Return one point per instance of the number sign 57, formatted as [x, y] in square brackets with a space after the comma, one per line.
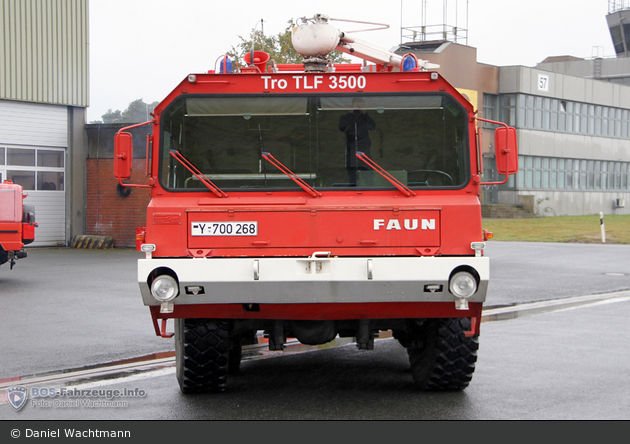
[543, 82]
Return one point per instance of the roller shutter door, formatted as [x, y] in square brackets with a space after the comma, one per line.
[33, 147]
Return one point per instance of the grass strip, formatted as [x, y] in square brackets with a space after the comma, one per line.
[581, 229]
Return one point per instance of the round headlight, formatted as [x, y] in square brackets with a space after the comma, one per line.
[463, 285]
[164, 288]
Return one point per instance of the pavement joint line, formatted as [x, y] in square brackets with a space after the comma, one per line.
[78, 374]
[549, 305]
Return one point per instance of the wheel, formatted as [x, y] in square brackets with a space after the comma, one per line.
[444, 358]
[201, 354]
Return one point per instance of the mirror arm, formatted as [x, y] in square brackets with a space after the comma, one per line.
[505, 151]
[495, 183]
[137, 185]
[131, 185]
[492, 121]
[122, 130]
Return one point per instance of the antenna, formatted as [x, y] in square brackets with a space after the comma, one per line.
[251, 50]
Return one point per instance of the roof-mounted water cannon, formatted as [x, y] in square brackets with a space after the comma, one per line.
[315, 38]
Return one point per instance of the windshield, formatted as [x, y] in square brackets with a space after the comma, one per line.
[418, 139]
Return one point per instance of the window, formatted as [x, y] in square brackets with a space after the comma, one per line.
[538, 112]
[530, 113]
[557, 123]
[591, 119]
[490, 108]
[597, 173]
[33, 168]
[49, 158]
[617, 36]
[20, 157]
[509, 109]
[572, 174]
[598, 120]
[24, 178]
[546, 114]
[607, 128]
[617, 123]
[577, 121]
[569, 117]
[421, 139]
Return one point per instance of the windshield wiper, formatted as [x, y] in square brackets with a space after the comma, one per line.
[294, 177]
[202, 178]
[391, 179]
[262, 151]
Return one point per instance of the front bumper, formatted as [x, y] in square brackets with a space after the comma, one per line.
[311, 280]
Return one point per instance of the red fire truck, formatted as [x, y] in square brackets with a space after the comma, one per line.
[17, 223]
[314, 201]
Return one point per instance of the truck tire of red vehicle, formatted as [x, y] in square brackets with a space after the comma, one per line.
[442, 357]
[201, 354]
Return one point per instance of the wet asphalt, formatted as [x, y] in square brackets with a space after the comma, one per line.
[64, 309]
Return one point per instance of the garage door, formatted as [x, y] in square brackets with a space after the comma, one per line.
[33, 141]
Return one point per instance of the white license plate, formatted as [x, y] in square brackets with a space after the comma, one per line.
[224, 229]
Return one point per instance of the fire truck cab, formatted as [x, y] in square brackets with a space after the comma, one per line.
[314, 201]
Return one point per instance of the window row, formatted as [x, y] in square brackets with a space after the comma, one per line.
[33, 168]
[40, 157]
[572, 174]
[544, 113]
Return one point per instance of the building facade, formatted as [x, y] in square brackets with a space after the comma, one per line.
[574, 141]
[44, 93]
[573, 129]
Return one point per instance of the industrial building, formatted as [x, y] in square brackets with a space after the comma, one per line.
[44, 93]
[572, 117]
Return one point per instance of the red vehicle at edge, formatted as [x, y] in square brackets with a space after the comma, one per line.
[316, 200]
[17, 223]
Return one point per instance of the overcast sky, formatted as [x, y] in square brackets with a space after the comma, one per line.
[141, 49]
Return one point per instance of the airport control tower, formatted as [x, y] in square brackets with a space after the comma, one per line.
[618, 19]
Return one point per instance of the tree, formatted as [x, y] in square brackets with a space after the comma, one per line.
[136, 112]
[279, 47]
[110, 117]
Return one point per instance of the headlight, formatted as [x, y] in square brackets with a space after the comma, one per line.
[463, 285]
[164, 288]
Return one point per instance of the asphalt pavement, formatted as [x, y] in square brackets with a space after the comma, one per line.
[565, 365]
[63, 308]
[537, 271]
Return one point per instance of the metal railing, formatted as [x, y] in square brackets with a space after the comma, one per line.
[434, 33]
[618, 5]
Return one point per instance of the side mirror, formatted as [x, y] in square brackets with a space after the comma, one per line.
[123, 155]
[506, 152]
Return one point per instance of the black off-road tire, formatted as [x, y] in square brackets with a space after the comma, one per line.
[445, 359]
[201, 354]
